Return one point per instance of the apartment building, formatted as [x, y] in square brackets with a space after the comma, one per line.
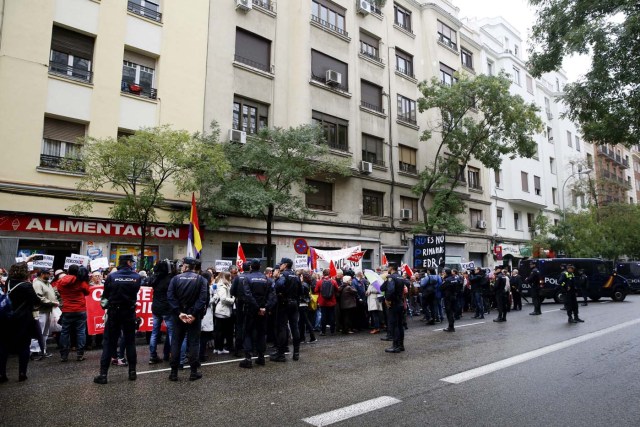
[353, 69]
[72, 68]
[615, 178]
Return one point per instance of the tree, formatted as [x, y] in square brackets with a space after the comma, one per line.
[140, 166]
[267, 177]
[606, 101]
[476, 119]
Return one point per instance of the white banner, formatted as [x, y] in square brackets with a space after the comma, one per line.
[85, 259]
[71, 261]
[338, 254]
[45, 263]
[98, 263]
[222, 265]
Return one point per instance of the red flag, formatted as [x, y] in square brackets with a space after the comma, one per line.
[383, 259]
[356, 256]
[240, 258]
[407, 270]
[332, 270]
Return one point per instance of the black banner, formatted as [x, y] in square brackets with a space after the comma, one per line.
[428, 251]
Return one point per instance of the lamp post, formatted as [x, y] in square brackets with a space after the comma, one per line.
[564, 203]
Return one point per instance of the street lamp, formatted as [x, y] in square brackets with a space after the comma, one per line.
[564, 207]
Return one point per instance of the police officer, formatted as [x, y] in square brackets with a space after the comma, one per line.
[533, 280]
[568, 286]
[120, 296]
[449, 290]
[394, 300]
[582, 283]
[288, 290]
[237, 286]
[259, 297]
[188, 297]
[502, 294]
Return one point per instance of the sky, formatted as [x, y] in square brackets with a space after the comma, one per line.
[522, 16]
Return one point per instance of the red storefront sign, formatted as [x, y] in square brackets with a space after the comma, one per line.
[47, 224]
[95, 313]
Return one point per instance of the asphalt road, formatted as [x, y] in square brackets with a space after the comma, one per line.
[549, 373]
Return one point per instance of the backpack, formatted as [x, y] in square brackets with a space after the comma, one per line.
[326, 289]
[429, 288]
[6, 307]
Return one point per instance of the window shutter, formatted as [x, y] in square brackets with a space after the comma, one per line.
[61, 130]
[253, 47]
[371, 94]
[370, 40]
[72, 43]
[139, 59]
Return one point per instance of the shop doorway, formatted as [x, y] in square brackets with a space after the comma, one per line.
[151, 255]
[58, 248]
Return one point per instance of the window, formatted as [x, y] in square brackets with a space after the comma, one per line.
[589, 161]
[497, 173]
[530, 84]
[407, 110]
[321, 63]
[557, 85]
[549, 135]
[525, 181]
[489, 68]
[408, 159]
[372, 149]
[322, 196]
[253, 50]
[369, 46]
[516, 221]
[552, 165]
[547, 108]
[446, 75]
[372, 203]
[71, 54]
[516, 76]
[145, 8]
[138, 75]
[371, 96]
[569, 139]
[249, 116]
[329, 15]
[60, 143]
[516, 50]
[577, 143]
[411, 204]
[447, 35]
[531, 222]
[335, 130]
[499, 221]
[474, 178]
[404, 63]
[467, 58]
[536, 185]
[402, 17]
[476, 218]
[554, 195]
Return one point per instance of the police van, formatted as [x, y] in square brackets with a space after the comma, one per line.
[631, 272]
[603, 280]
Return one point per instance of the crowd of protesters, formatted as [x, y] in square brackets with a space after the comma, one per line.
[51, 304]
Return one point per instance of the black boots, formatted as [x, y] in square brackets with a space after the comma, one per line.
[246, 363]
[195, 375]
[173, 376]
[100, 379]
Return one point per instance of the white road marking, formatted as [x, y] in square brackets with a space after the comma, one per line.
[502, 364]
[462, 326]
[222, 362]
[351, 411]
[549, 311]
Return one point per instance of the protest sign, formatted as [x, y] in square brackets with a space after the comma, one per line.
[98, 263]
[68, 261]
[300, 262]
[46, 263]
[95, 313]
[222, 265]
[428, 251]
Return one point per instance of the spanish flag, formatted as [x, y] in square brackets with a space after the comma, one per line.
[194, 244]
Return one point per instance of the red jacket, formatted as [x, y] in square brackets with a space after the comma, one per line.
[73, 294]
[324, 302]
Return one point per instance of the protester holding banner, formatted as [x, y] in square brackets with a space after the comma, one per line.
[74, 312]
[374, 306]
[48, 301]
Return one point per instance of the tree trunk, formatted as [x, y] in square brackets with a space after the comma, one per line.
[269, 225]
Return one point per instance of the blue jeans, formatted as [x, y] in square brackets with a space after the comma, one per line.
[318, 318]
[77, 320]
[477, 295]
[155, 332]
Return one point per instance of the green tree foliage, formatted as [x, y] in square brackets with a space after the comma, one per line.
[477, 118]
[140, 167]
[267, 178]
[606, 101]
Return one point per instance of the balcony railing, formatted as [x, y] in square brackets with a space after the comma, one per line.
[138, 90]
[373, 107]
[474, 186]
[371, 56]
[406, 167]
[408, 118]
[406, 72]
[64, 70]
[329, 26]
[372, 158]
[144, 11]
[613, 156]
[336, 145]
[323, 80]
[254, 64]
[265, 4]
[447, 42]
[60, 163]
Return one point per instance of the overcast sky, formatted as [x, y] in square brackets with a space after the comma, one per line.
[519, 14]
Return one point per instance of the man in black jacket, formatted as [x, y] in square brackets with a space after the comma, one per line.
[533, 280]
[394, 299]
[502, 294]
[161, 310]
[516, 290]
[288, 290]
[477, 284]
[449, 290]
[120, 296]
[188, 297]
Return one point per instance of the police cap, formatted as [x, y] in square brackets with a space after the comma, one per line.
[287, 261]
[126, 258]
[189, 261]
[447, 271]
[246, 266]
[255, 264]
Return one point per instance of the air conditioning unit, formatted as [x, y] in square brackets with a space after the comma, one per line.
[406, 214]
[244, 5]
[333, 78]
[364, 7]
[366, 167]
[237, 136]
[481, 224]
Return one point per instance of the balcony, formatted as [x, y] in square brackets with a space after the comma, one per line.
[134, 89]
[474, 186]
[447, 42]
[323, 80]
[373, 107]
[253, 64]
[407, 72]
[265, 4]
[146, 12]
[336, 145]
[69, 72]
[408, 168]
[329, 26]
[610, 154]
[60, 163]
[408, 118]
[371, 56]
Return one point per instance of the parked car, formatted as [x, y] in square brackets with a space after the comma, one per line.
[631, 271]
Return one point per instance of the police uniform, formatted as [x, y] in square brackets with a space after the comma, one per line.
[568, 286]
[188, 294]
[449, 290]
[121, 294]
[533, 280]
[394, 297]
[288, 290]
[258, 299]
[502, 296]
